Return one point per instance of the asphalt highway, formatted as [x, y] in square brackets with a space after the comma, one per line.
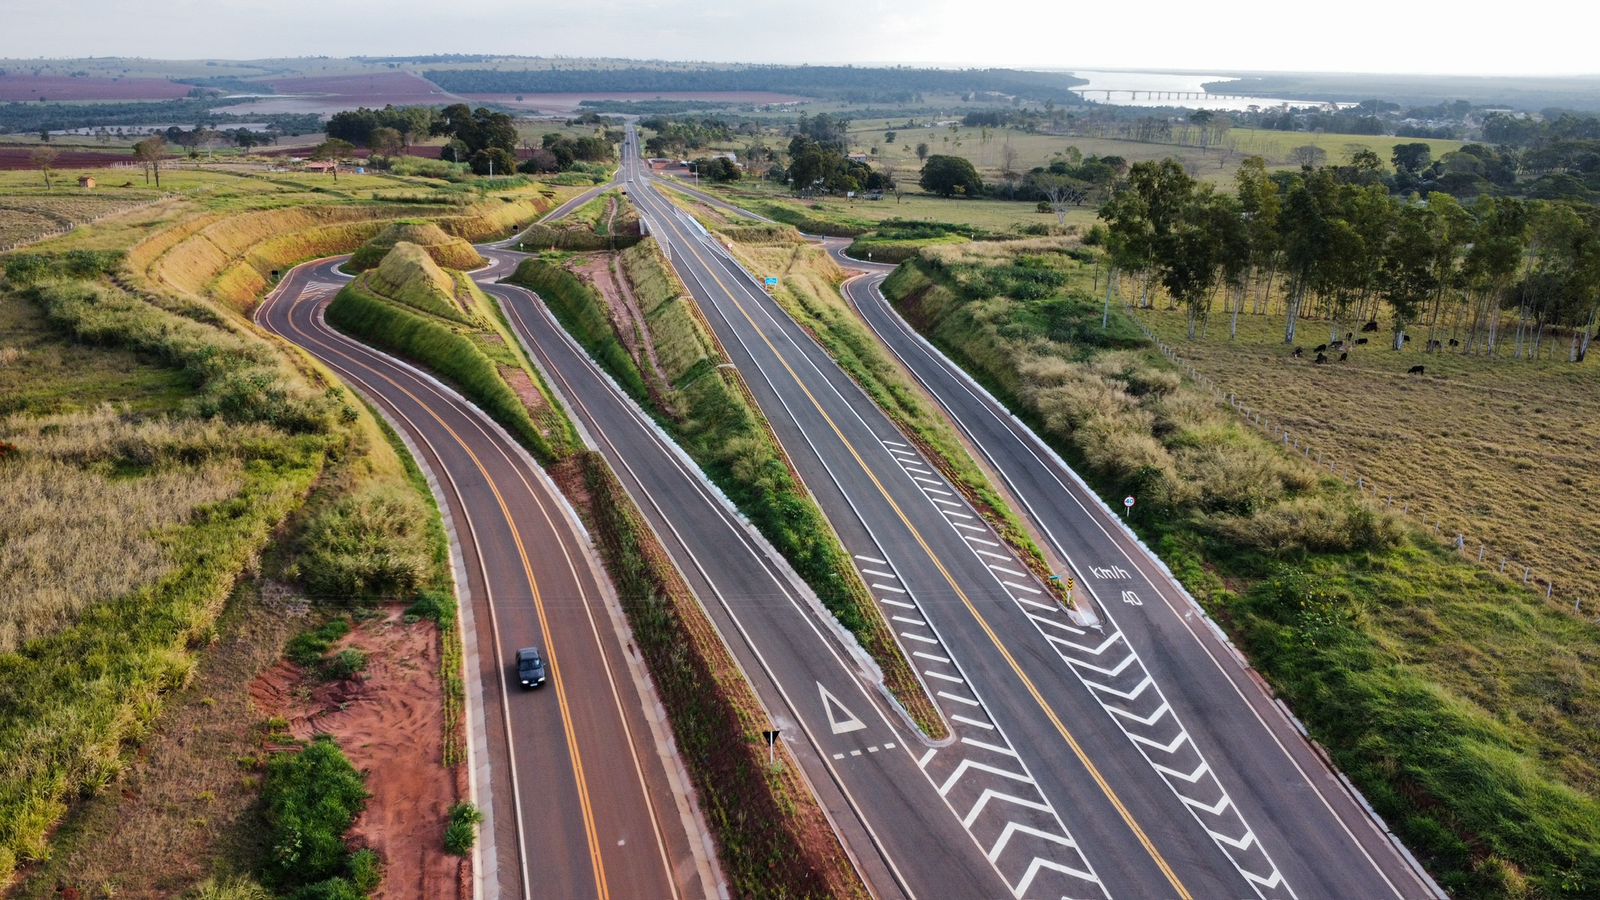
[1164, 771]
[579, 798]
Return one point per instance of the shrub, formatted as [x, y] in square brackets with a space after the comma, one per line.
[434, 604]
[344, 665]
[312, 797]
[366, 870]
[461, 830]
[368, 545]
[229, 889]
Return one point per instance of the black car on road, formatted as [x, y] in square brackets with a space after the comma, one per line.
[530, 667]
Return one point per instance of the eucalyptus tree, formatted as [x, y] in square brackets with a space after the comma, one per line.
[1408, 277]
[1491, 265]
[1260, 203]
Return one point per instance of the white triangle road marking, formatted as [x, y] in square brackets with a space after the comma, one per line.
[844, 725]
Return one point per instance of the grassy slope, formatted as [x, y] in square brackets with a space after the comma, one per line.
[1464, 707]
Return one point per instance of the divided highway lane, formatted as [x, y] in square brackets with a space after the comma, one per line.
[579, 797]
[1332, 848]
[953, 583]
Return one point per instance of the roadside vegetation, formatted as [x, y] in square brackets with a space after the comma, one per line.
[649, 335]
[608, 222]
[1463, 705]
[161, 446]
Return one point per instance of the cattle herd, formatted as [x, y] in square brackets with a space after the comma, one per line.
[1342, 347]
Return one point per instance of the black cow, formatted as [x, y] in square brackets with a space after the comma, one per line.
[1360, 341]
[1343, 357]
[1370, 326]
[1336, 345]
[1322, 358]
[1415, 370]
[1319, 348]
[1454, 342]
[1298, 353]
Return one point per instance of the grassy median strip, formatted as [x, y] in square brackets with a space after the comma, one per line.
[1464, 706]
[706, 408]
[808, 290]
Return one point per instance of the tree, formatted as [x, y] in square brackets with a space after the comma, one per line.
[386, 142]
[493, 161]
[1309, 155]
[150, 152]
[922, 151]
[947, 175]
[44, 133]
[1411, 159]
[888, 137]
[44, 159]
[1061, 192]
[1408, 277]
[333, 150]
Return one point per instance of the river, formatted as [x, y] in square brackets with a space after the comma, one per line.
[1121, 83]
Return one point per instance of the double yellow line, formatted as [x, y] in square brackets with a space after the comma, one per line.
[1033, 690]
[590, 831]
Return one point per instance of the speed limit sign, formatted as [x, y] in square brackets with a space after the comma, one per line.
[1127, 504]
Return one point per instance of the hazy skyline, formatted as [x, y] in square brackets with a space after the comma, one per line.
[1362, 36]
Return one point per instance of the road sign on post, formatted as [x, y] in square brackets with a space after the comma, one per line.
[771, 283]
[771, 737]
[1127, 504]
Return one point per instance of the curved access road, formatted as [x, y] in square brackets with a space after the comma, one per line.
[579, 800]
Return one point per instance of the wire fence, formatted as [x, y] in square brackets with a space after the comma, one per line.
[1482, 551]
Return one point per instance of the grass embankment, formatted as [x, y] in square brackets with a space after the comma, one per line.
[1466, 709]
[707, 409]
[466, 350]
[450, 252]
[786, 847]
[808, 290]
[608, 222]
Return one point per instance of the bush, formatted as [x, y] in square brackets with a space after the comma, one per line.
[366, 870]
[461, 830]
[312, 798]
[434, 604]
[31, 268]
[368, 545]
[344, 665]
[582, 313]
[229, 889]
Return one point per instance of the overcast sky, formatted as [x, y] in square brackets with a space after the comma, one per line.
[1533, 37]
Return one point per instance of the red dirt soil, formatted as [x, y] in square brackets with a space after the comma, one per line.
[375, 89]
[61, 87]
[18, 157]
[389, 720]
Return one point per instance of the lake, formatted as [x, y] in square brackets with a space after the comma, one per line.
[1121, 83]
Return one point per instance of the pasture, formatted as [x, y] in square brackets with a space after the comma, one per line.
[1499, 450]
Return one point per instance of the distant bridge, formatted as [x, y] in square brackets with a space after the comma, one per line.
[1110, 93]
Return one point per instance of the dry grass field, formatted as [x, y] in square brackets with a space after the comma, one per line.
[1499, 450]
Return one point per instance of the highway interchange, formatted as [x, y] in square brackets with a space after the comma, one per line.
[1123, 753]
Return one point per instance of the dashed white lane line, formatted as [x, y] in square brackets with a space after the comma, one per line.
[1008, 571]
[872, 559]
[925, 480]
[940, 491]
[973, 722]
[1021, 587]
[972, 540]
[933, 656]
[876, 574]
[943, 677]
[894, 443]
[1034, 603]
[885, 587]
[992, 555]
[978, 528]
[959, 515]
[919, 638]
[900, 603]
[946, 502]
[957, 698]
[910, 621]
[1056, 624]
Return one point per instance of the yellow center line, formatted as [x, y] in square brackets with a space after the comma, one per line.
[1083, 757]
[550, 642]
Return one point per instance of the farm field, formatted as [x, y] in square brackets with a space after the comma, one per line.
[15, 87]
[988, 215]
[1217, 164]
[1499, 450]
[28, 217]
[331, 93]
[565, 104]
